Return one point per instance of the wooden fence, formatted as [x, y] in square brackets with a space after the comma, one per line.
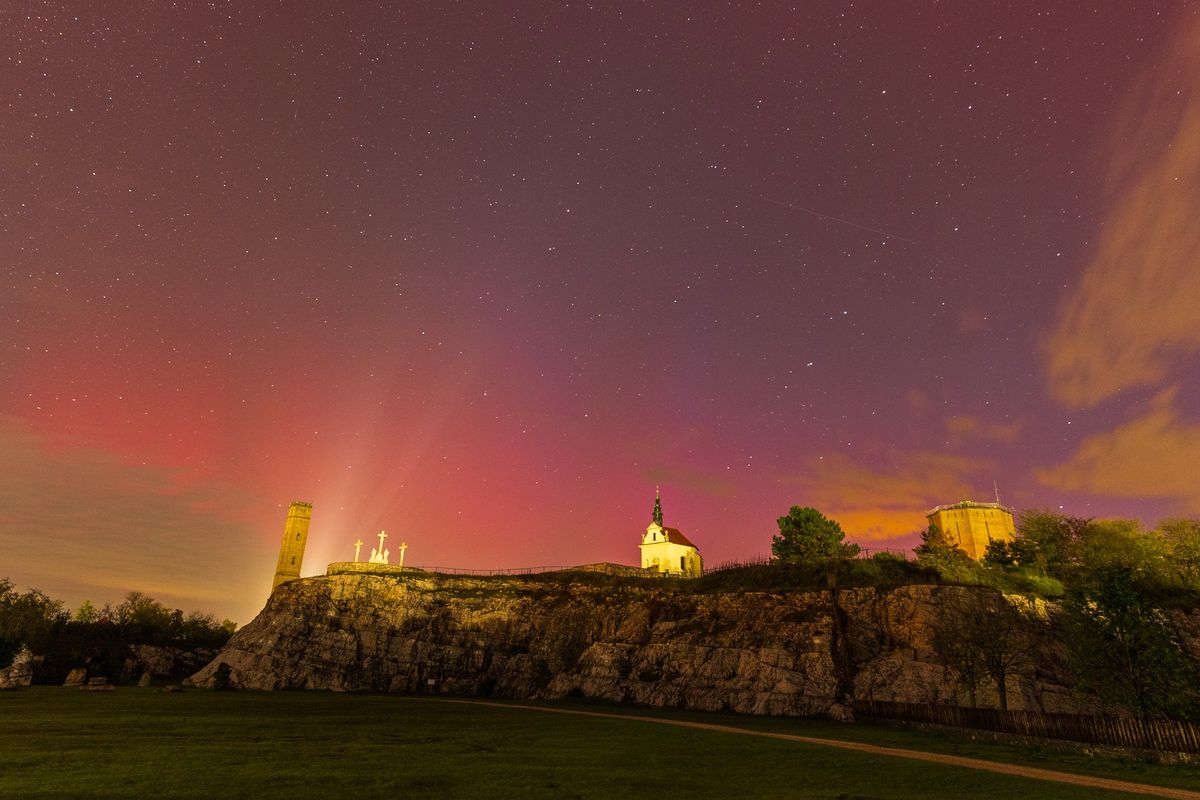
[604, 568]
[613, 569]
[762, 561]
[1164, 735]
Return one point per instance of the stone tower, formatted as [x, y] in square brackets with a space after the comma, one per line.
[973, 526]
[295, 536]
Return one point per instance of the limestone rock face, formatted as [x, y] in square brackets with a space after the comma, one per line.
[162, 661]
[748, 652]
[20, 672]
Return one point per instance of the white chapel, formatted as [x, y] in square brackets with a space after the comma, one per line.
[667, 549]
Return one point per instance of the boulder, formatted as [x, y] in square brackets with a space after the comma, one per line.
[20, 672]
[162, 661]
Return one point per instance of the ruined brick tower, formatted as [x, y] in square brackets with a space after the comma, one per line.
[295, 536]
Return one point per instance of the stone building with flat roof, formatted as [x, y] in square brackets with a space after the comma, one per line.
[972, 525]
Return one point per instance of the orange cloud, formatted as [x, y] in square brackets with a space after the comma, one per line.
[873, 504]
[977, 428]
[1134, 311]
[83, 525]
[1155, 455]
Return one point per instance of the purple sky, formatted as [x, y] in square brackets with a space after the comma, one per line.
[484, 277]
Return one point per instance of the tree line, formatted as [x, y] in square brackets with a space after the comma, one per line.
[35, 620]
[1111, 592]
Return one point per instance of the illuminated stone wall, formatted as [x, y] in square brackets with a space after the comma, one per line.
[972, 525]
[367, 568]
[291, 550]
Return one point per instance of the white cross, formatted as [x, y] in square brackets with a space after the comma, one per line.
[357, 548]
[382, 536]
[403, 547]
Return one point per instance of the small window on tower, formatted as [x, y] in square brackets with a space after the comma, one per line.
[293, 559]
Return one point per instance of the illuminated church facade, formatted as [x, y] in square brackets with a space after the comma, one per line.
[667, 549]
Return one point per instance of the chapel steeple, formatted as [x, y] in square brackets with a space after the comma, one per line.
[666, 550]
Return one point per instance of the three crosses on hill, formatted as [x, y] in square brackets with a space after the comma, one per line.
[379, 556]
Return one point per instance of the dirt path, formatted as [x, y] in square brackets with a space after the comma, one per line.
[916, 755]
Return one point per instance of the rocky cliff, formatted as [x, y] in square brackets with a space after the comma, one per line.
[656, 643]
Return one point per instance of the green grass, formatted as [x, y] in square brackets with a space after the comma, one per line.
[140, 743]
[1060, 756]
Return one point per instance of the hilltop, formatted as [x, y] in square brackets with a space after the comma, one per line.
[664, 643]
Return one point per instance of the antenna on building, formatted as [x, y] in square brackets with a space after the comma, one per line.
[997, 488]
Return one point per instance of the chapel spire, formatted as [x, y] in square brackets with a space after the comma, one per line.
[657, 513]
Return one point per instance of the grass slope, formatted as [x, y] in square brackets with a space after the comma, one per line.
[61, 743]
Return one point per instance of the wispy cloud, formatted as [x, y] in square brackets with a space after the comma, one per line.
[82, 524]
[1134, 312]
[1155, 455]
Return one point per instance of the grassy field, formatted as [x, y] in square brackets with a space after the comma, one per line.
[61, 743]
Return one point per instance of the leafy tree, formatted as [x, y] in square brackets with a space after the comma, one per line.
[1122, 543]
[1007, 644]
[980, 636]
[26, 618]
[86, 614]
[33, 619]
[807, 536]
[937, 550]
[1181, 538]
[1124, 648]
[1048, 541]
[999, 554]
[954, 639]
[144, 612]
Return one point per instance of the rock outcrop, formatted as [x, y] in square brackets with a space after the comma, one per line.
[162, 661]
[655, 644]
[20, 672]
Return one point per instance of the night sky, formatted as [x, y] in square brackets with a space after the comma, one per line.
[483, 275]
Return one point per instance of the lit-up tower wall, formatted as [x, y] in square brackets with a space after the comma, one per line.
[972, 526]
[295, 536]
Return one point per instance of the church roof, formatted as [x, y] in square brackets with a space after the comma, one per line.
[675, 536]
